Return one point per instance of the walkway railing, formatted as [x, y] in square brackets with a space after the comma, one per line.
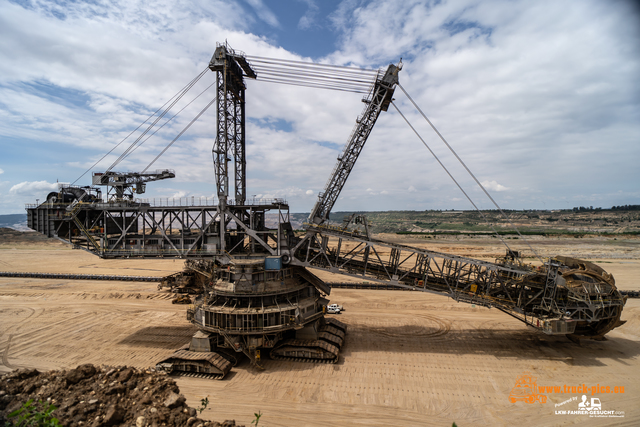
[169, 202]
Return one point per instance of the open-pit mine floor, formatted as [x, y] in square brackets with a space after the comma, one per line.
[410, 358]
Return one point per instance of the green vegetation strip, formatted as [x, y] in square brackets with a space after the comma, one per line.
[524, 233]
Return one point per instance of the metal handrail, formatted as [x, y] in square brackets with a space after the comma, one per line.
[194, 201]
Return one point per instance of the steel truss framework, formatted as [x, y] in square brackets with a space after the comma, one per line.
[116, 230]
[377, 101]
[136, 230]
[230, 68]
[519, 290]
[235, 228]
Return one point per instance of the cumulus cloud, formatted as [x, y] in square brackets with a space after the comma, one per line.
[498, 104]
[1, 171]
[309, 192]
[34, 187]
[493, 186]
[264, 13]
[86, 74]
[179, 194]
[308, 19]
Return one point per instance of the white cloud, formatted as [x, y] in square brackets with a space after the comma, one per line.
[308, 19]
[33, 188]
[516, 87]
[499, 104]
[493, 186]
[264, 13]
[179, 194]
[1, 171]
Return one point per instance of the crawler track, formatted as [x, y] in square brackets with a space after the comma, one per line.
[196, 364]
[326, 349]
[312, 351]
[197, 375]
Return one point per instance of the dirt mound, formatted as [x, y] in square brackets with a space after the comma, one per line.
[11, 236]
[11, 233]
[102, 396]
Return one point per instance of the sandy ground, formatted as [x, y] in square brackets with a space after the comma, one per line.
[409, 358]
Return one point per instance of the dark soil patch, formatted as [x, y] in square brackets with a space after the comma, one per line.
[102, 396]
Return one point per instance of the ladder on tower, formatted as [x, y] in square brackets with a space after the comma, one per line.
[548, 297]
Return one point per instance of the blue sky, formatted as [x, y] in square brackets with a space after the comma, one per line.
[541, 99]
[301, 27]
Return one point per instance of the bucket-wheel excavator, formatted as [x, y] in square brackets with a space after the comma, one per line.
[257, 292]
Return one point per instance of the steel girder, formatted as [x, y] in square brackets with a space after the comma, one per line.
[230, 137]
[377, 101]
[134, 230]
[521, 291]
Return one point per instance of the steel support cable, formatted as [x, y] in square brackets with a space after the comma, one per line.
[299, 73]
[314, 66]
[133, 131]
[173, 117]
[448, 173]
[316, 76]
[181, 133]
[253, 59]
[173, 103]
[315, 81]
[472, 175]
[302, 84]
[314, 72]
[319, 81]
[132, 147]
[306, 66]
[308, 74]
[334, 86]
[334, 83]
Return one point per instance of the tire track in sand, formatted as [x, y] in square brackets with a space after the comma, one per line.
[5, 354]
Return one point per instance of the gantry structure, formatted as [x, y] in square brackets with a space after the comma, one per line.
[252, 245]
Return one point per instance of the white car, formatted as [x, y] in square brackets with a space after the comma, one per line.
[334, 309]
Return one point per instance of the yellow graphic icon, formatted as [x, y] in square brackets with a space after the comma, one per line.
[526, 390]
